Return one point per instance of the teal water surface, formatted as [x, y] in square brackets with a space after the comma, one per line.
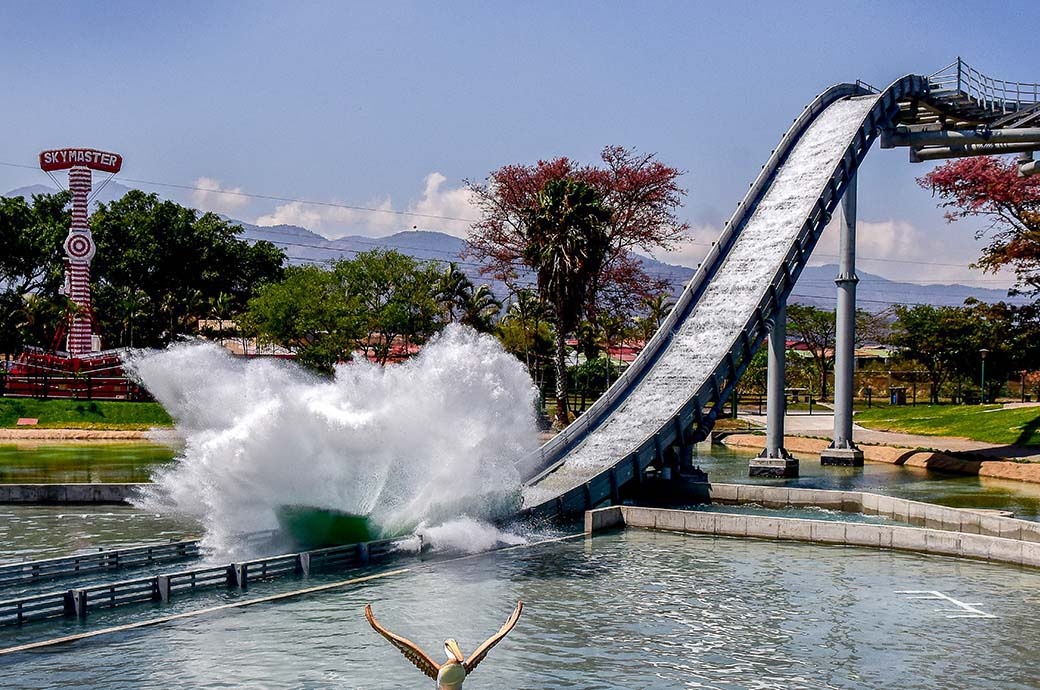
[633, 609]
[724, 464]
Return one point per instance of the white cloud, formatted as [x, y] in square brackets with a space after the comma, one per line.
[335, 221]
[693, 251]
[439, 209]
[893, 249]
[454, 202]
[209, 195]
[899, 250]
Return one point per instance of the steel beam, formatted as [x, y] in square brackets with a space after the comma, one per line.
[842, 450]
[967, 150]
[958, 137]
[775, 461]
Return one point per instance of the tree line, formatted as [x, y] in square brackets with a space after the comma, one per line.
[941, 346]
[560, 235]
[159, 268]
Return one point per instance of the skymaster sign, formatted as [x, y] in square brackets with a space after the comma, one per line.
[62, 159]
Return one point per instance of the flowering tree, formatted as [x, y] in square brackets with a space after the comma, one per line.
[641, 193]
[990, 188]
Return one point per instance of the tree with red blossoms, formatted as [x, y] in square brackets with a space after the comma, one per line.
[642, 194]
[990, 188]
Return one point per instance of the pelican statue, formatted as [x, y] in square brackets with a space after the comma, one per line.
[451, 674]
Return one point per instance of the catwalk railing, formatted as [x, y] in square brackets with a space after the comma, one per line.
[995, 94]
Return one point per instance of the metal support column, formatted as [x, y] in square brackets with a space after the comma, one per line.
[842, 450]
[775, 461]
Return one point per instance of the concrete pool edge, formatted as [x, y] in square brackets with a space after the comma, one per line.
[114, 493]
[926, 540]
[916, 513]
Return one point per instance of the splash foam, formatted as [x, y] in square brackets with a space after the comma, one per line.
[394, 443]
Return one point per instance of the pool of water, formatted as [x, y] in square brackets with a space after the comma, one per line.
[32, 532]
[61, 463]
[46, 531]
[724, 464]
[633, 609]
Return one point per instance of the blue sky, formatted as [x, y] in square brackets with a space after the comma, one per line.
[393, 105]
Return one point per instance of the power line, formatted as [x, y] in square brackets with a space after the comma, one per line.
[411, 214]
[271, 197]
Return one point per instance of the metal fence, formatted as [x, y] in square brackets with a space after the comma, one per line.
[30, 572]
[78, 602]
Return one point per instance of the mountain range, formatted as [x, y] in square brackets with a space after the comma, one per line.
[815, 287]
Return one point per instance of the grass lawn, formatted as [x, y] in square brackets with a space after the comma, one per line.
[83, 414]
[989, 423]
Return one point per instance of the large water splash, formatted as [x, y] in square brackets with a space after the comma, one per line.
[396, 443]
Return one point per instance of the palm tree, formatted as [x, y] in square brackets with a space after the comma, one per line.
[131, 305]
[221, 307]
[520, 328]
[566, 243]
[480, 309]
[453, 292]
[657, 308]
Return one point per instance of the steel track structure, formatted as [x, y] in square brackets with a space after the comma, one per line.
[588, 463]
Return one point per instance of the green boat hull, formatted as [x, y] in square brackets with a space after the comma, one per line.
[316, 528]
[311, 527]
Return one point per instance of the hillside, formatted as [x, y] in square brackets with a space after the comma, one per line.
[815, 286]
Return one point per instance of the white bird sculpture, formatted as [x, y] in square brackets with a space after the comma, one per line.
[452, 673]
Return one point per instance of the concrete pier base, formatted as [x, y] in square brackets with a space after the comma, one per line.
[779, 468]
[842, 457]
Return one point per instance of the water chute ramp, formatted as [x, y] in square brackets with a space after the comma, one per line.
[672, 393]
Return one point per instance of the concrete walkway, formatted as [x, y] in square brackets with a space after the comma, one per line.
[821, 425]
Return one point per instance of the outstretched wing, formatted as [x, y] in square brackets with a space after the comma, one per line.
[482, 651]
[415, 655]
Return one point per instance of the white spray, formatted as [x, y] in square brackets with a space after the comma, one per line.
[390, 442]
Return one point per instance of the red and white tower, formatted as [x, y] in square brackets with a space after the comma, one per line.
[79, 250]
[79, 245]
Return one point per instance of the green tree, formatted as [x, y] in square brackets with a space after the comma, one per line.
[396, 296]
[481, 309]
[461, 302]
[309, 312]
[453, 292]
[590, 378]
[943, 340]
[814, 327]
[31, 268]
[565, 244]
[221, 308]
[524, 331]
[174, 259]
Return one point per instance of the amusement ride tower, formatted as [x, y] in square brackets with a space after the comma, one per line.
[79, 245]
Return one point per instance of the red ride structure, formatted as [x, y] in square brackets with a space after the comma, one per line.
[83, 370]
[79, 245]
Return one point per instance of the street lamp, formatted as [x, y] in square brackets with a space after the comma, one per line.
[983, 352]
